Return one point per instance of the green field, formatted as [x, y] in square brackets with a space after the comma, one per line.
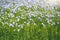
[33, 23]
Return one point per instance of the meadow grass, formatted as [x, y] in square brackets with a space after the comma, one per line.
[29, 24]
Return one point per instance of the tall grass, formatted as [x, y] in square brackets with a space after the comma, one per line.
[29, 24]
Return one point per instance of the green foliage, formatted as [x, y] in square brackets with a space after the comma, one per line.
[38, 25]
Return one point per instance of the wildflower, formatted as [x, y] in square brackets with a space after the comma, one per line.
[10, 15]
[58, 13]
[43, 24]
[12, 25]
[18, 30]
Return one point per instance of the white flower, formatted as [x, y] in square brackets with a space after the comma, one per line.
[11, 15]
[58, 13]
[11, 25]
[18, 20]
[18, 30]
[43, 24]
[57, 22]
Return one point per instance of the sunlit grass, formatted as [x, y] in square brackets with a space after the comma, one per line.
[30, 23]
